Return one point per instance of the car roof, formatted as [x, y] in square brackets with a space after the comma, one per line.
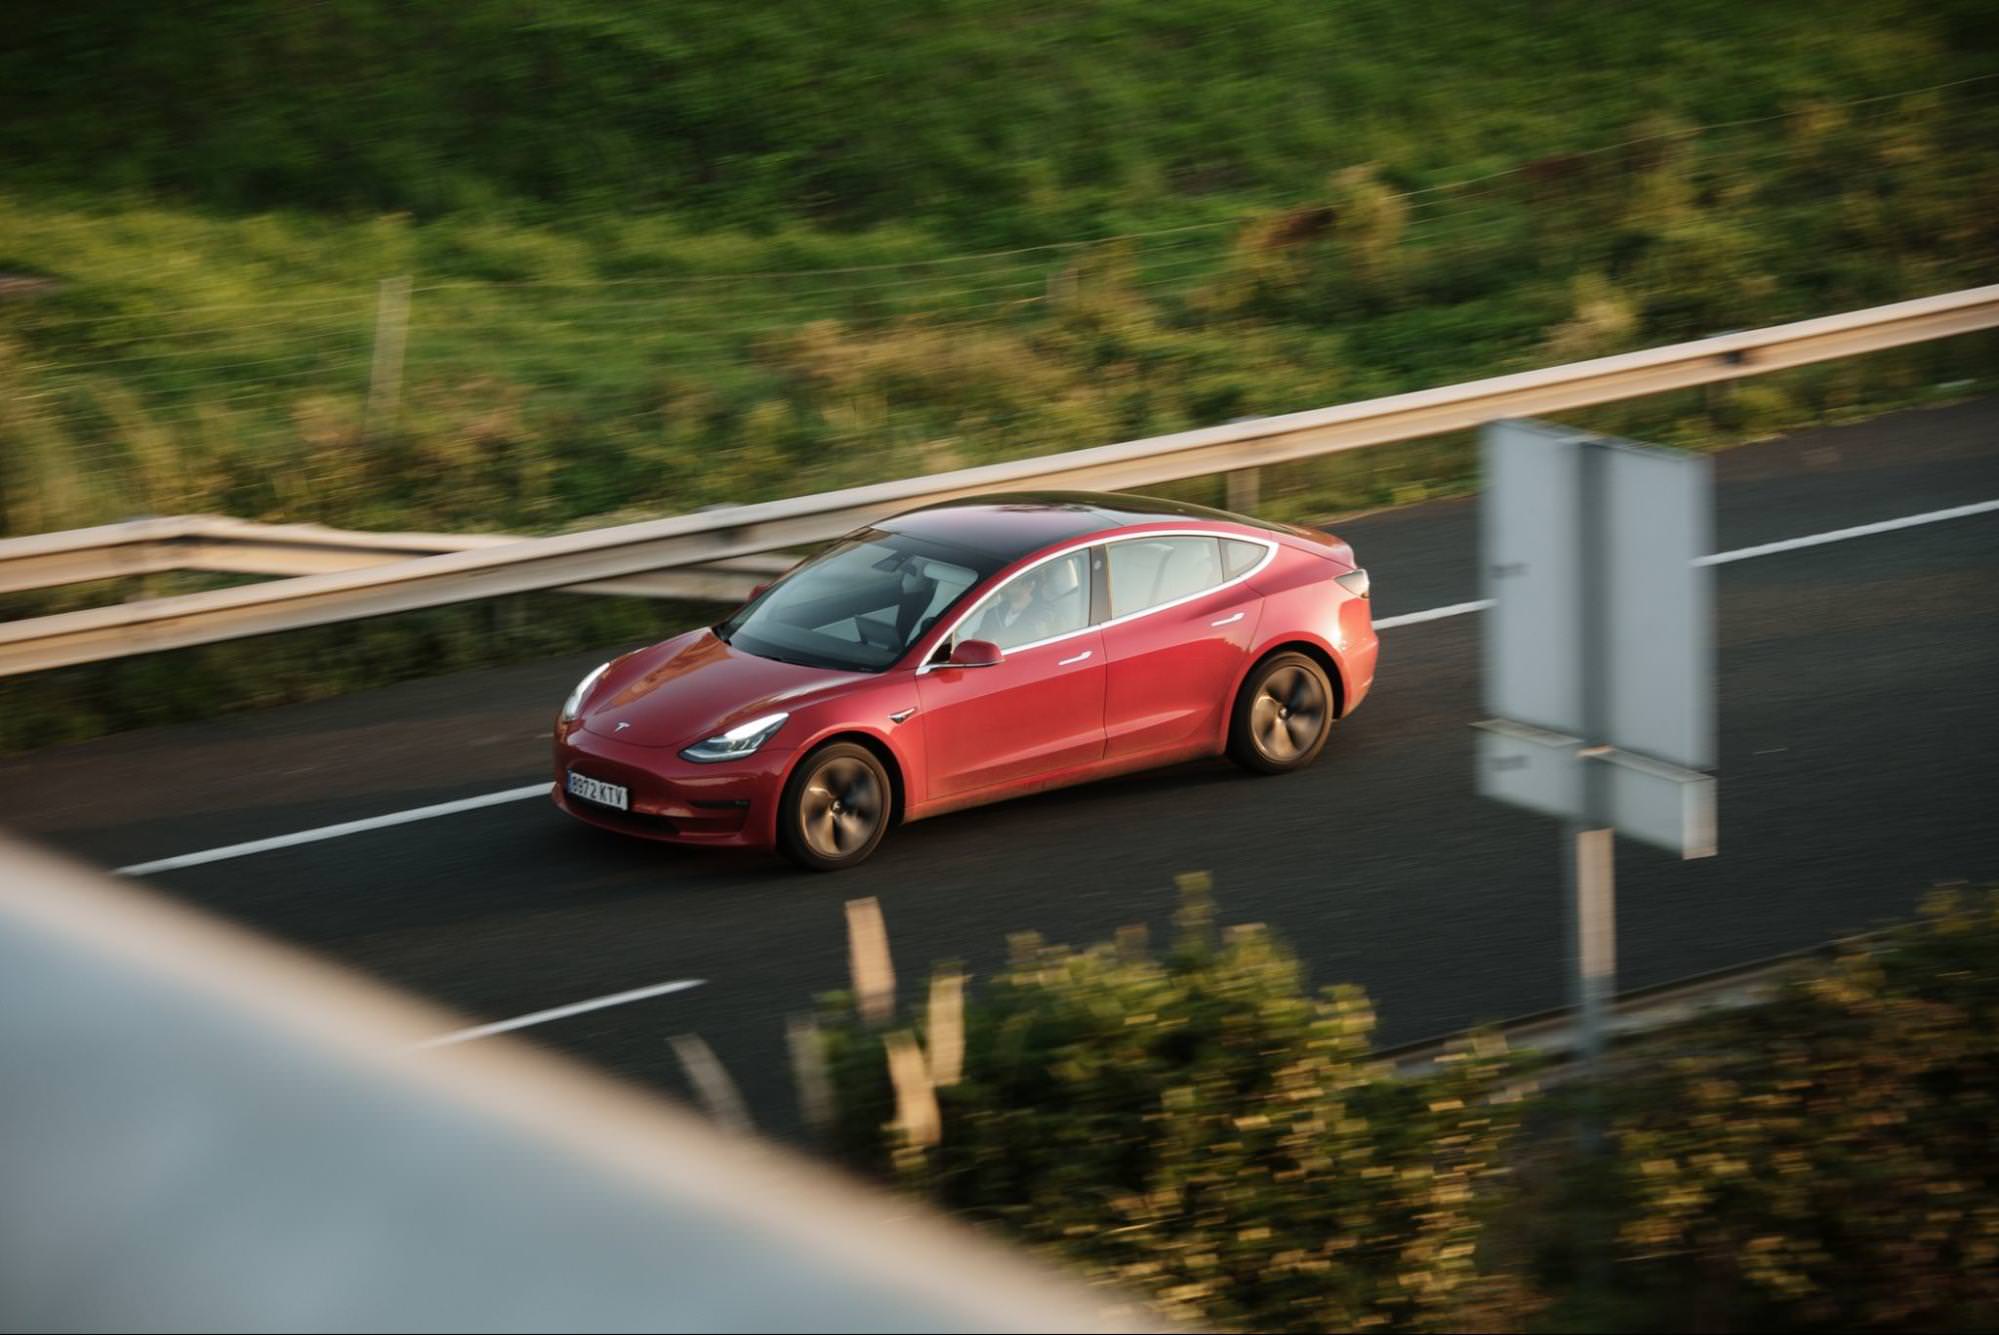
[1009, 525]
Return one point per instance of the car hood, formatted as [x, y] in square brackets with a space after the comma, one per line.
[694, 686]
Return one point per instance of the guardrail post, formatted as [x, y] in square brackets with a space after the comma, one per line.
[868, 961]
[505, 617]
[1245, 486]
[947, 1028]
[1718, 396]
[717, 1092]
[916, 1113]
[385, 381]
[808, 1069]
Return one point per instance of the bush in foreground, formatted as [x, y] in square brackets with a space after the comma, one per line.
[1200, 1128]
[1829, 1160]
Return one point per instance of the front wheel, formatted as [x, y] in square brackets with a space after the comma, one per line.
[1283, 715]
[835, 808]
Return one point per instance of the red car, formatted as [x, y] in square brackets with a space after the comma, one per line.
[967, 652]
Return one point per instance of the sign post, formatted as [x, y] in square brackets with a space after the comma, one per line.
[1598, 664]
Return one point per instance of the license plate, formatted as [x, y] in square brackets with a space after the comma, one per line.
[596, 790]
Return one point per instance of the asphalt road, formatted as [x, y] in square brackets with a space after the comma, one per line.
[1859, 697]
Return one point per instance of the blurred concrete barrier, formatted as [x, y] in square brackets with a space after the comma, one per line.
[202, 1130]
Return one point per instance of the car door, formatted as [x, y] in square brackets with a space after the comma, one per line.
[1181, 621]
[1039, 709]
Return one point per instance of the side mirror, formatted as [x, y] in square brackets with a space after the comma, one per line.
[974, 654]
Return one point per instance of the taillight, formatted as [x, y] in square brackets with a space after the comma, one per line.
[1354, 582]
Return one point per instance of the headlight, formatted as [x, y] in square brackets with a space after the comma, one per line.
[575, 700]
[740, 740]
[1354, 582]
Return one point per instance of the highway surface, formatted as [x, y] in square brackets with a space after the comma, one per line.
[1859, 695]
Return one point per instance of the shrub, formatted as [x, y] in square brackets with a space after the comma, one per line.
[1828, 1160]
[1202, 1129]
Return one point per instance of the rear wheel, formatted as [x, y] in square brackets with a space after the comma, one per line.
[1283, 715]
[835, 808]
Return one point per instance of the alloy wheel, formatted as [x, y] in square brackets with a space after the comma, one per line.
[841, 807]
[1288, 714]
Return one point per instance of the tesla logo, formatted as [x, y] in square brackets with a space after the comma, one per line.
[900, 715]
[621, 727]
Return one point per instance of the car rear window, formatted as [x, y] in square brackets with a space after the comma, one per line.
[1146, 572]
[1240, 557]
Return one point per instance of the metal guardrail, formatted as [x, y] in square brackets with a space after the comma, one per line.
[215, 544]
[1553, 1034]
[747, 530]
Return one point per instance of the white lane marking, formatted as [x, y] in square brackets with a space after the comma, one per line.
[1739, 554]
[1842, 534]
[558, 1013]
[1386, 623]
[334, 831]
[1434, 614]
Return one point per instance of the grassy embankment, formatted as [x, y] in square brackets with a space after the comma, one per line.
[734, 253]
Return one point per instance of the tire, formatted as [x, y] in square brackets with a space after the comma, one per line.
[835, 808]
[1283, 715]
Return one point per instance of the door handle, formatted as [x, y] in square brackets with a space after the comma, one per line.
[1227, 621]
[1077, 659]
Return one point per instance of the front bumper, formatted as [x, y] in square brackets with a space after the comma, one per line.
[731, 805]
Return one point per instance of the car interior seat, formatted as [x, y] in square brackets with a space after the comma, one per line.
[1063, 593]
[1190, 566]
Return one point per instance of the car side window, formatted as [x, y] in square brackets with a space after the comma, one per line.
[1051, 599]
[1239, 557]
[1146, 572]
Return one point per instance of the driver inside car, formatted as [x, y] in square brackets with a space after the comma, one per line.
[1033, 607]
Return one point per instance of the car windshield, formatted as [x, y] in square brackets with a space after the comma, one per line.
[858, 606]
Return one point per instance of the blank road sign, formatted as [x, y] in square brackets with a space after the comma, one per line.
[1659, 804]
[1599, 646]
[1601, 625]
[1530, 767]
[1530, 548]
[1658, 609]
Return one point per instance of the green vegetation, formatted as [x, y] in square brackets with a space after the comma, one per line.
[670, 256]
[1204, 1132]
[990, 124]
[1827, 1161]
[1202, 1129]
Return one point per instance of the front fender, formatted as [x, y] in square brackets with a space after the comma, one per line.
[901, 742]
